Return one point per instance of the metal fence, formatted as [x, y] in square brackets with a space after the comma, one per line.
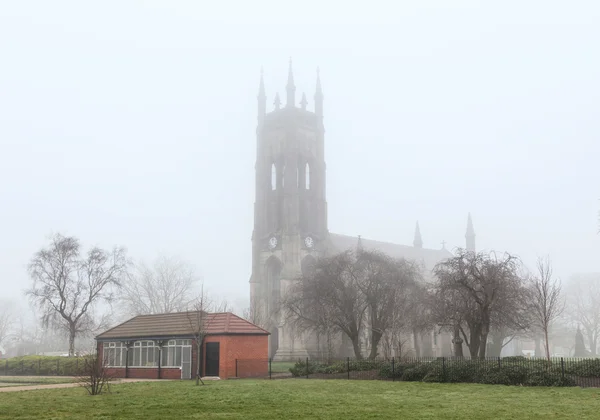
[506, 371]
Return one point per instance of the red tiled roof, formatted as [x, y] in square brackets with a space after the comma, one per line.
[179, 324]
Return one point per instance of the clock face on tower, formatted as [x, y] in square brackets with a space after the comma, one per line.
[309, 242]
[272, 242]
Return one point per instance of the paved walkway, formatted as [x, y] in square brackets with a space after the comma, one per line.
[69, 385]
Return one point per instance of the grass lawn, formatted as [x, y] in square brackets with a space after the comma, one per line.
[281, 367]
[300, 398]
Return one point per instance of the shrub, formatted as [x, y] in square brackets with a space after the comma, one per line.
[416, 373]
[584, 367]
[507, 371]
[496, 377]
[300, 369]
[545, 378]
[42, 365]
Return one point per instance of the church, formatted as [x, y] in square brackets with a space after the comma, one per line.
[290, 220]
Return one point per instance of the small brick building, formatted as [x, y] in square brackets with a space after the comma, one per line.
[163, 346]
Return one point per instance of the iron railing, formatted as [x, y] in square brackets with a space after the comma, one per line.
[584, 372]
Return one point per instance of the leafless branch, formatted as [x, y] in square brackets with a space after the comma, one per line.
[67, 286]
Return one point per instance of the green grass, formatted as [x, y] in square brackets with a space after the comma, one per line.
[299, 399]
[281, 367]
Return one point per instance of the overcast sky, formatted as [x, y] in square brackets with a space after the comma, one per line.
[133, 123]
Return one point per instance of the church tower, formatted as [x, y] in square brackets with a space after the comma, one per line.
[290, 209]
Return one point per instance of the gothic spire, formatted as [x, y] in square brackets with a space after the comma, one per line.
[418, 241]
[277, 101]
[291, 88]
[303, 102]
[470, 235]
[262, 98]
[319, 96]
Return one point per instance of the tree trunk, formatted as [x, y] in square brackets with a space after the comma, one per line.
[538, 347]
[356, 346]
[375, 339]
[496, 345]
[72, 333]
[458, 342]
[547, 345]
[483, 342]
[416, 340]
[198, 361]
[474, 341]
[592, 342]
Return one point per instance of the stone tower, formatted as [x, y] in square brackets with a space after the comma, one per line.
[290, 209]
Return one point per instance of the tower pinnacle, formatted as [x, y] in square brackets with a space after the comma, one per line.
[277, 101]
[291, 88]
[470, 235]
[418, 241]
[262, 98]
[319, 96]
[303, 102]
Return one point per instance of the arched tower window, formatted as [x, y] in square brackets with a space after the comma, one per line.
[273, 177]
[307, 176]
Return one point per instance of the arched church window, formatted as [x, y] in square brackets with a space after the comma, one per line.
[273, 177]
[307, 176]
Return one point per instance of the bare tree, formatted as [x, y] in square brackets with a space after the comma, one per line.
[255, 314]
[477, 290]
[329, 297]
[199, 319]
[94, 376]
[7, 319]
[169, 285]
[386, 284]
[222, 306]
[546, 300]
[583, 307]
[67, 286]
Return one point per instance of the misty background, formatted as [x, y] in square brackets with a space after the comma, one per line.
[133, 123]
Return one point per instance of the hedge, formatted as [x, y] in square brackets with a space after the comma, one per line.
[42, 366]
[506, 371]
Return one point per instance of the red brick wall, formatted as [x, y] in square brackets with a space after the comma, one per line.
[251, 350]
[146, 373]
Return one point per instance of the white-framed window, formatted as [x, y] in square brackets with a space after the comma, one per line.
[145, 354]
[172, 350]
[115, 354]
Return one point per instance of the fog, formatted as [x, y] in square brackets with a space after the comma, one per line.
[134, 123]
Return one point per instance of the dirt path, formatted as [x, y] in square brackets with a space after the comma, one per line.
[69, 385]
